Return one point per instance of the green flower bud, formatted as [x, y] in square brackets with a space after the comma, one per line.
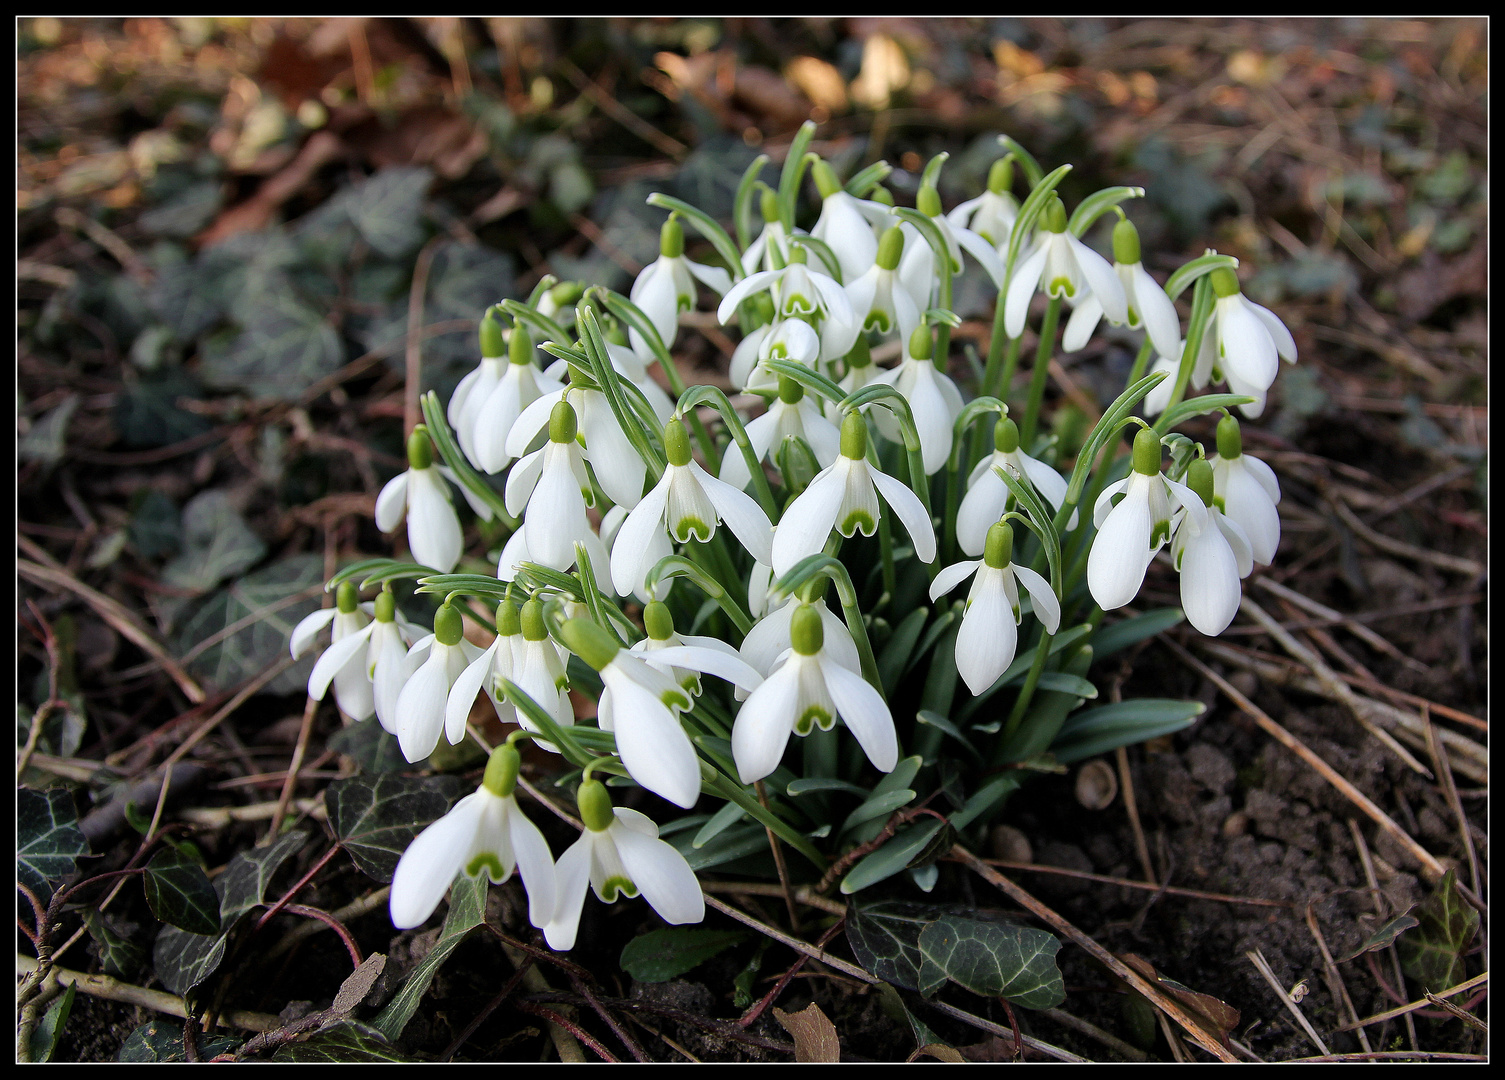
[671, 239]
[530, 621]
[1055, 215]
[882, 196]
[921, 344]
[420, 450]
[567, 292]
[386, 606]
[806, 633]
[891, 249]
[1199, 479]
[347, 597]
[501, 770]
[1006, 435]
[520, 346]
[928, 201]
[676, 443]
[1230, 439]
[1125, 243]
[825, 179]
[657, 621]
[1147, 452]
[1224, 282]
[509, 620]
[768, 205]
[595, 806]
[589, 642]
[1001, 175]
[861, 354]
[854, 436]
[493, 344]
[614, 332]
[562, 422]
[790, 391]
[999, 551]
[448, 626]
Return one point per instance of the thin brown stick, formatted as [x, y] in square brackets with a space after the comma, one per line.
[334, 924]
[1170, 1039]
[760, 1006]
[491, 1007]
[411, 413]
[1335, 984]
[1352, 625]
[112, 989]
[778, 862]
[310, 707]
[1004, 1033]
[794, 943]
[1445, 771]
[1462, 1014]
[353, 910]
[251, 688]
[1380, 907]
[1092, 1031]
[802, 895]
[1261, 965]
[1395, 1055]
[617, 1029]
[1126, 784]
[1102, 955]
[1467, 567]
[665, 144]
[1327, 772]
[1169, 890]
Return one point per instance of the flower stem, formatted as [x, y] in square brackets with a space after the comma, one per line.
[1027, 691]
[1037, 377]
[1201, 311]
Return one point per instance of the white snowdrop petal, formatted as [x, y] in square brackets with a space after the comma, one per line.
[809, 519]
[1210, 589]
[420, 709]
[662, 876]
[764, 724]
[392, 501]
[712, 277]
[865, 714]
[1238, 541]
[340, 653]
[1264, 475]
[1247, 350]
[308, 629]
[535, 865]
[1285, 344]
[1158, 313]
[1084, 319]
[1101, 279]
[462, 694]
[1247, 502]
[636, 821]
[1120, 553]
[631, 545]
[654, 748]
[655, 292]
[753, 283]
[1104, 505]
[1196, 509]
[732, 668]
[433, 527]
[981, 507]
[388, 677]
[1047, 606]
[952, 576]
[618, 466]
[932, 418]
[514, 553]
[556, 512]
[572, 878]
[430, 863]
[1021, 290]
[984, 252]
[532, 422]
[910, 511]
[352, 689]
[986, 639]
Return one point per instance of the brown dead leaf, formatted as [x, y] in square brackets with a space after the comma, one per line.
[813, 1033]
[1217, 1018]
[941, 1052]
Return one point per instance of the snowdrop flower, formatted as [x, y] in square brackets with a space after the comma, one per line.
[803, 292]
[987, 638]
[494, 416]
[770, 249]
[1211, 553]
[659, 547]
[631, 368]
[434, 535]
[767, 642]
[422, 703]
[551, 483]
[845, 223]
[934, 400]
[476, 387]
[1160, 394]
[878, 301]
[917, 269]
[790, 415]
[522, 654]
[808, 689]
[538, 671]
[659, 624]
[1245, 489]
[641, 704]
[667, 286]
[1148, 305]
[387, 657]
[1062, 266]
[844, 496]
[619, 468]
[688, 502]
[620, 854]
[485, 831]
[992, 214]
[987, 495]
[344, 662]
[782, 339]
[1248, 342]
[1129, 533]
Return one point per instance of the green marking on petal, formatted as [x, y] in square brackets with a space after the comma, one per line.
[1061, 287]
[614, 885]
[1133, 317]
[686, 527]
[675, 700]
[1160, 533]
[877, 320]
[858, 519]
[1217, 500]
[488, 862]
[812, 717]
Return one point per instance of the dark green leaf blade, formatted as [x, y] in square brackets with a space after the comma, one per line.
[161, 1040]
[376, 817]
[47, 839]
[994, 959]
[1096, 731]
[661, 955]
[1433, 953]
[1384, 936]
[892, 857]
[885, 939]
[183, 960]
[49, 1029]
[244, 883]
[467, 910]
[180, 893]
[343, 1041]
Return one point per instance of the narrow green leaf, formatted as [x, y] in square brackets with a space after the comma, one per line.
[661, 955]
[985, 799]
[900, 648]
[1108, 727]
[1198, 406]
[467, 910]
[1176, 284]
[1120, 635]
[721, 820]
[891, 857]
[1096, 205]
[1384, 937]
[935, 719]
[45, 1036]
[742, 203]
[878, 808]
[805, 785]
[707, 226]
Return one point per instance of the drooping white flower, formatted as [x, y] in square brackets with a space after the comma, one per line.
[473, 390]
[1211, 553]
[987, 495]
[485, 831]
[845, 224]
[844, 496]
[659, 546]
[801, 291]
[770, 248]
[1245, 489]
[934, 400]
[619, 469]
[1160, 394]
[1129, 533]
[492, 418]
[434, 535]
[987, 638]
[667, 286]
[810, 688]
[790, 415]
[1148, 305]
[992, 214]
[770, 638]
[421, 704]
[343, 662]
[917, 268]
[1062, 266]
[553, 486]
[1247, 342]
[879, 302]
[659, 624]
[524, 655]
[620, 854]
[687, 502]
[782, 339]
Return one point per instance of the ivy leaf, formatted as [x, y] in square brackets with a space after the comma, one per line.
[183, 960]
[217, 544]
[161, 1040]
[661, 955]
[374, 749]
[467, 910]
[386, 209]
[49, 1029]
[286, 348]
[993, 959]
[341, 1042]
[179, 892]
[376, 817]
[885, 939]
[119, 956]
[47, 839]
[1433, 955]
[244, 883]
[1384, 936]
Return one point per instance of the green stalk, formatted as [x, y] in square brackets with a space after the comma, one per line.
[730, 790]
[1201, 312]
[1027, 691]
[1141, 361]
[722, 404]
[1043, 353]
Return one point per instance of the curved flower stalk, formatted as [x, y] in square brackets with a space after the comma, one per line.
[1148, 307]
[344, 661]
[1129, 533]
[687, 502]
[879, 302]
[618, 466]
[917, 268]
[934, 400]
[790, 415]
[641, 704]
[485, 831]
[770, 249]
[619, 854]
[988, 636]
[553, 486]
[987, 495]
[783, 339]
[421, 704]
[844, 496]
[434, 535]
[634, 370]
[992, 214]
[667, 286]
[1211, 553]
[1062, 266]
[488, 420]
[1247, 342]
[801, 292]
[1245, 489]
[846, 223]
[810, 688]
